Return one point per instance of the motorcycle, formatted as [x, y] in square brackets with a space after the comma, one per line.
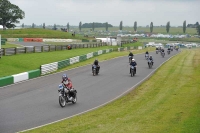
[130, 58]
[66, 95]
[168, 51]
[133, 70]
[150, 63]
[163, 54]
[95, 70]
[146, 56]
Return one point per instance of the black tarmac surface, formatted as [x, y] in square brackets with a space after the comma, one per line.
[35, 102]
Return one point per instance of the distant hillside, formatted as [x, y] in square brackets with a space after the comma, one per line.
[96, 25]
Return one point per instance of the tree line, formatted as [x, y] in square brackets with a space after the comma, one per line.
[10, 15]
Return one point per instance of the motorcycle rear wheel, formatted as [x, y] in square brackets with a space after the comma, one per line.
[74, 99]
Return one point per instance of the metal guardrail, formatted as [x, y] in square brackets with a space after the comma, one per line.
[48, 48]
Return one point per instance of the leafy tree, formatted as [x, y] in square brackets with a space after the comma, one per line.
[68, 26]
[33, 25]
[197, 24]
[54, 27]
[80, 25]
[97, 25]
[93, 26]
[168, 27]
[135, 26]
[120, 25]
[151, 27]
[184, 26]
[106, 26]
[43, 26]
[10, 14]
[198, 29]
[23, 25]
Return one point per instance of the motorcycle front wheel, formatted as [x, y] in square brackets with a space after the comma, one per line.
[62, 101]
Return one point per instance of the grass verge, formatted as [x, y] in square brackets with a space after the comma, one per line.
[168, 102]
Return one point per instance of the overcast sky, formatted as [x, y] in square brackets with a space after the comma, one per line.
[61, 12]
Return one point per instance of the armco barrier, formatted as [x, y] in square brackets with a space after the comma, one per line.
[20, 77]
[13, 39]
[63, 63]
[33, 40]
[59, 40]
[48, 68]
[34, 73]
[100, 52]
[89, 55]
[21, 39]
[82, 58]
[95, 53]
[6, 80]
[74, 60]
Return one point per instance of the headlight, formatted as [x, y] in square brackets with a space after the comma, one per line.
[60, 86]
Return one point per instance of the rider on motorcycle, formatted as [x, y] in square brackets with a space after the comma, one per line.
[147, 54]
[156, 48]
[151, 59]
[96, 63]
[130, 55]
[67, 81]
[133, 63]
[162, 50]
[169, 49]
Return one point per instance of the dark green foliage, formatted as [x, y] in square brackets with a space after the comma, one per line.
[198, 29]
[135, 26]
[54, 27]
[97, 25]
[68, 26]
[33, 25]
[43, 26]
[93, 26]
[168, 27]
[151, 27]
[120, 26]
[184, 26]
[106, 26]
[10, 14]
[80, 26]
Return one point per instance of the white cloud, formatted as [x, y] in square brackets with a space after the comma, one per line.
[112, 11]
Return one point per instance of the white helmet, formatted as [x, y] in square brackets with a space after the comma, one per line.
[133, 59]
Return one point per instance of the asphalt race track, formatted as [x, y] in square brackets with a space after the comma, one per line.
[35, 102]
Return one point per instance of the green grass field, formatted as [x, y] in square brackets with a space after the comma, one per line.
[25, 62]
[37, 33]
[168, 102]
